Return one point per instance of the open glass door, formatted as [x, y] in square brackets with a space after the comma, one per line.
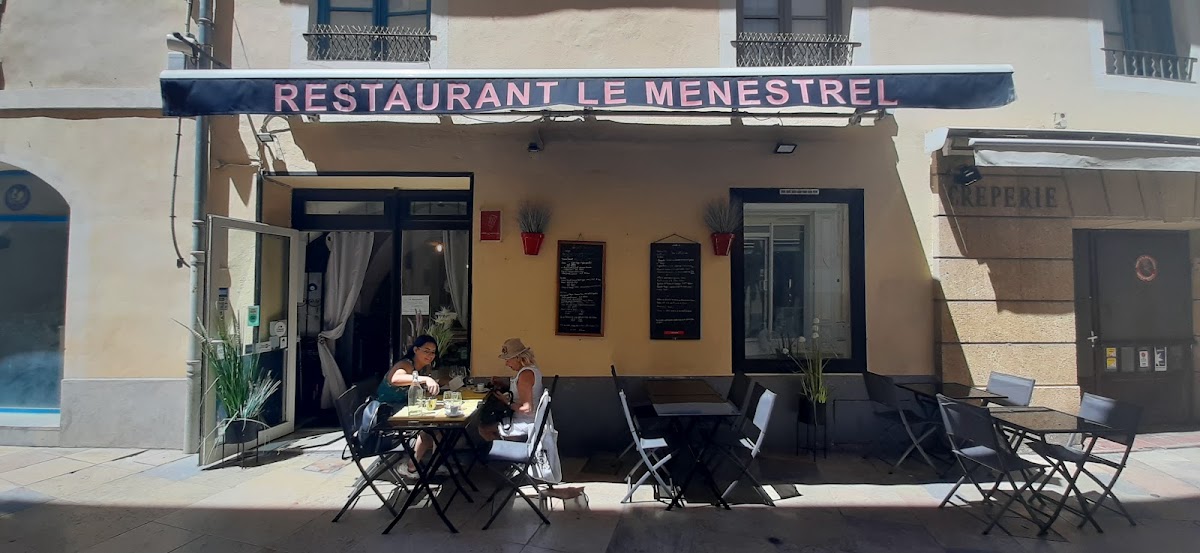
[253, 286]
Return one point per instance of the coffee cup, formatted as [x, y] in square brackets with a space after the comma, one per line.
[480, 387]
[454, 410]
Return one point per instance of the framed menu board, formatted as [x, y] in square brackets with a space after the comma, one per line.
[580, 289]
[674, 291]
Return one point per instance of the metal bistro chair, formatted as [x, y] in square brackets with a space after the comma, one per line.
[647, 449]
[386, 452]
[752, 440]
[976, 443]
[518, 457]
[883, 391]
[1018, 391]
[643, 411]
[1123, 418]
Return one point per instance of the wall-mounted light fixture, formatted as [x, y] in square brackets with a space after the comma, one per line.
[967, 175]
[536, 144]
[784, 148]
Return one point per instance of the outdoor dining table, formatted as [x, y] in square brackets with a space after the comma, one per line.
[687, 403]
[446, 430]
[1040, 422]
[952, 390]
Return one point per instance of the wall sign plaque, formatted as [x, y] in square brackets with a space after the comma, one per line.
[580, 310]
[674, 291]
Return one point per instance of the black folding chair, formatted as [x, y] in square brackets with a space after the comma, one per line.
[882, 390]
[1017, 390]
[1123, 418]
[386, 456]
[517, 457]
[977, 443]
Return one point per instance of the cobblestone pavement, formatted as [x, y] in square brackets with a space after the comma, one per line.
[156, 501]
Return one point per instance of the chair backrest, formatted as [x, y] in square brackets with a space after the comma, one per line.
[738, 390]
[1017, 389]
[761, 419]
[1118, 415]
[539, 422]
[969, 423]
[881, 390]
[553, 385]
[633, 428]
[346, 405]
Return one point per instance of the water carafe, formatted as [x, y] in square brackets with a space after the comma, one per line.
[416, 398]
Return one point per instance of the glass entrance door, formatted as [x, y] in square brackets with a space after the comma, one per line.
[251, 307]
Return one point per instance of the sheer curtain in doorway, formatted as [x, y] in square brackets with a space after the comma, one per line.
[349, 255]
[457, 256]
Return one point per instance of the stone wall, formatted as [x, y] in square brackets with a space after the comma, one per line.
[1003, 264]
[1003, 272]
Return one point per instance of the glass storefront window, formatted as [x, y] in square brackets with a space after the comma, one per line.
[796, 278]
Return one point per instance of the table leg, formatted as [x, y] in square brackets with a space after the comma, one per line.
[424, 472]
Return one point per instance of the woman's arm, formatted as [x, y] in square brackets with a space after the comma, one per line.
[525, 392]
[402, 376]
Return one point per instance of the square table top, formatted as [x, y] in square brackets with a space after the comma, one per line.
[951, 390]
[439, 416]
[1047, 421]
[704, 404]
[678, 387]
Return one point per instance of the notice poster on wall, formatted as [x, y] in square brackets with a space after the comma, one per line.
[674, 291]
[580, 289]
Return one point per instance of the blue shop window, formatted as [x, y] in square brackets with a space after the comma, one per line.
[411, 14]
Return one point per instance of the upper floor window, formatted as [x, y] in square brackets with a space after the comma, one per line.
[791, 33]
[1139, 41]
[371, 30]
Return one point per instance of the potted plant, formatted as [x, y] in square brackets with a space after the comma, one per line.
[442, 331]
[814, 390]
[533, 218]
[723, 220]
[241, 386]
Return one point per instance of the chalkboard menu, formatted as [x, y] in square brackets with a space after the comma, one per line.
[580, 288]
[674, 291]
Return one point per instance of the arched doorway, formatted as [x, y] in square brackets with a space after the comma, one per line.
[34, 220]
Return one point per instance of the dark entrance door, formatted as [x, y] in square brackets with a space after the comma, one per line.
[1134, 319]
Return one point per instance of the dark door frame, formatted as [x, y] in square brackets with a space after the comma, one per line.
[396, 219]
[1090, 342]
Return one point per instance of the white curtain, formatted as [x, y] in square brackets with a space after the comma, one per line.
[349, 254]
[457, 254]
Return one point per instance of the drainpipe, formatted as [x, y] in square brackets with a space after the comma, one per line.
[195, 396]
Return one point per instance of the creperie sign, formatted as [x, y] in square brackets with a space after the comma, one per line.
[191, 92]
[470, 96]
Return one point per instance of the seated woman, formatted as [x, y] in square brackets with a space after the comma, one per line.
[526, 388]
[405, 373]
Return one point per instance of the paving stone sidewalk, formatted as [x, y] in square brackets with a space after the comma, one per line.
[58, 500]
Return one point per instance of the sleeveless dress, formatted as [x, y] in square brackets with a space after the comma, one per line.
[521, 426]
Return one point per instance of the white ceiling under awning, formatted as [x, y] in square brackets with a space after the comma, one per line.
[1054, 149]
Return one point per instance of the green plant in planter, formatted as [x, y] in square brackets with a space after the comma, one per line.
[533, 217]
[240, 385]
[812, 381]
[442, 331]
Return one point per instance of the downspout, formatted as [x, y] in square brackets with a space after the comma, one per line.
[192, 416]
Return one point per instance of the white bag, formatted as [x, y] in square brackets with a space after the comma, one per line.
[547, 466]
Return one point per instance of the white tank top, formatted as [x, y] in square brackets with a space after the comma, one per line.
[537, 393]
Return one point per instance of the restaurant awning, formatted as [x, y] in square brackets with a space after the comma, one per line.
[1062, 149]
[774, 90]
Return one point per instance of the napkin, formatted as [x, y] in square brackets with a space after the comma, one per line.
[455, 384]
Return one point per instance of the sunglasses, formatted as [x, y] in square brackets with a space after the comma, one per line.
[427, 351]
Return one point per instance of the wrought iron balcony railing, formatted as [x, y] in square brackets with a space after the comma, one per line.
[364, 43]
[1148, 64]
[791, 50]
